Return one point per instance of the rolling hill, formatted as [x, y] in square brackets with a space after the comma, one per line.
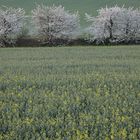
[83, 6]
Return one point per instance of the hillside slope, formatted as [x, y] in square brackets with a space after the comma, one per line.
[83, 6]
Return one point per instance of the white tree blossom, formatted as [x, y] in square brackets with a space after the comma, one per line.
[12, 22]
[54, 22]
[131, 25]
[116, 24]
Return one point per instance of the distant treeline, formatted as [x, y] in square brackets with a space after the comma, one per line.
[54, 26]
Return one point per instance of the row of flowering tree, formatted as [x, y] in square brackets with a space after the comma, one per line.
[111, 25]
[115, 25]
[50, 23]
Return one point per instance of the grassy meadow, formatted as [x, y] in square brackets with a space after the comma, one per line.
[70, 93]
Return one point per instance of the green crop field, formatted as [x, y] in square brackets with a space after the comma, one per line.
[83, 6]
[70, 93]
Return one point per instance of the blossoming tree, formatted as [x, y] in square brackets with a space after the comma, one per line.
[54, 22]
[12, 22]
[115, 24]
